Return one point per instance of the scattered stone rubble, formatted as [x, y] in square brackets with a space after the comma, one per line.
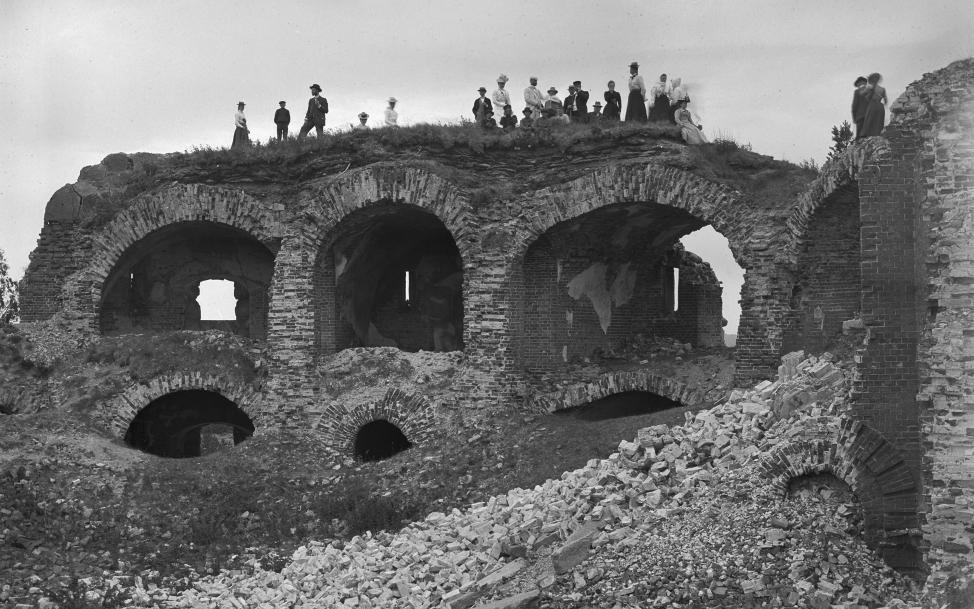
[679, 517]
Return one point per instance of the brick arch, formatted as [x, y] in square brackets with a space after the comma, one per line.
[713, 203]
[612, 383]
[291, 319]
[413, 414]
[837, 174]
[862, 458]
[119, 412]
[151, 212]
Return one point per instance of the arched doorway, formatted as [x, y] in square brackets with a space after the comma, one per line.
[154, 286]
[379, 440]
[620, 405]
[174, 425]
[391, 275]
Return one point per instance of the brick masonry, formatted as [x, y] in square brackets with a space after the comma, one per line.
[906, 271]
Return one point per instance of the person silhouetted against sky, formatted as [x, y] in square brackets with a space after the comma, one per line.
[613, 103]
[481, 106]
[859, 104]
[534, 98]
[241, 135]
[636, 105]
[875, 95]
[581, 102]
[315, 117]
[659, 101]
[282, 118]
[392, 117]
[363, 118]
[500, 97]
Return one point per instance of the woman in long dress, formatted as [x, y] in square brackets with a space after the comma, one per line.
[875, 96]
[691, 133]
[613, 103]
[241, 135]
[677, 94]
[636, 106]
[659, 101]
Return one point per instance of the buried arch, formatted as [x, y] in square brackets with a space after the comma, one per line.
[873, 468]
[413, 415]
[614, 383]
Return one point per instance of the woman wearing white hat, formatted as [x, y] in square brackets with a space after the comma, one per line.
[241, 135]
[391, 115]
[501, 97]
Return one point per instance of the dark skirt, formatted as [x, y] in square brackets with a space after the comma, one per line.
[875, 118]
[636, 109]
[660, 113]
[241, 138]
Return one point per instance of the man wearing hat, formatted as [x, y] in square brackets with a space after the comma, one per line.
[482, 107]
[392, 117]
[508, 120]
[636, 107]
[534, 99]
[569, 103]
[527, 122]
[362, 119]
[596, 115]
[581, 102]
[241, 135]
[282, 118]
[315, 117]
[501, 97]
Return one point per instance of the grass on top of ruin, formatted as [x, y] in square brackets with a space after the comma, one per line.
[442, 136]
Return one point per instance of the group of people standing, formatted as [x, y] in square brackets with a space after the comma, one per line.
[314, 118]
[869, 106]
[667, 102]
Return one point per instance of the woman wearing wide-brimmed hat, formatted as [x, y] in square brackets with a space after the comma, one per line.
[636, 106]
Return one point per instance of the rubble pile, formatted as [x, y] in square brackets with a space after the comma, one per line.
[680, 516]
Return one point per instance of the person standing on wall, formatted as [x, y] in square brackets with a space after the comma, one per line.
[392, 117]
[581, 103]
[613, 103]
[500, 97]
[859, 104]
[875, 116]
[678, 93]
[508, 120]
[282, 118]
[569, 103]
[241, 135]
[659, 102]
[363, 117]
[482, 107]
[636, 105]
[315, 117]
[534, 99]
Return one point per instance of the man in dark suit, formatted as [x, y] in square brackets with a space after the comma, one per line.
[282, 118]
[317, 109]
[482, 108]
[581, 102]
[569, 103]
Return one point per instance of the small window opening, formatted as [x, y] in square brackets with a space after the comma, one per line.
[379, 440]
[216, 300]
[406, 291]
[676, 288]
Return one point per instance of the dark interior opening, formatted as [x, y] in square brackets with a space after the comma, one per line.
[154, 286]
[619, 405]
[379, 440]
[175, 424]
[397, 278]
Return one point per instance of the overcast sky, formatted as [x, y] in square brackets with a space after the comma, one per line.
[82, 79]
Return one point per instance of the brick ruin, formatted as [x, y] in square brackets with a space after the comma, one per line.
[409, 287]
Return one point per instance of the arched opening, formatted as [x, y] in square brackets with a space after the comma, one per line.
[155, 285]
[379, 440]
[391, 275]
[187, 424]
[612, 281]
[826, 291]
[826, 491]
[621, 405]
[714, 250]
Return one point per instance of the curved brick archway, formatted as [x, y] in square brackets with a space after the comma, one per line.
[862, 458]
[119, 412]
[712, 203]
[617, 382]
[175, 204]
[412, 414]
[291, 318]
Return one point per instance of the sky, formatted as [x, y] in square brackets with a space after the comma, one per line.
[82, 79]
